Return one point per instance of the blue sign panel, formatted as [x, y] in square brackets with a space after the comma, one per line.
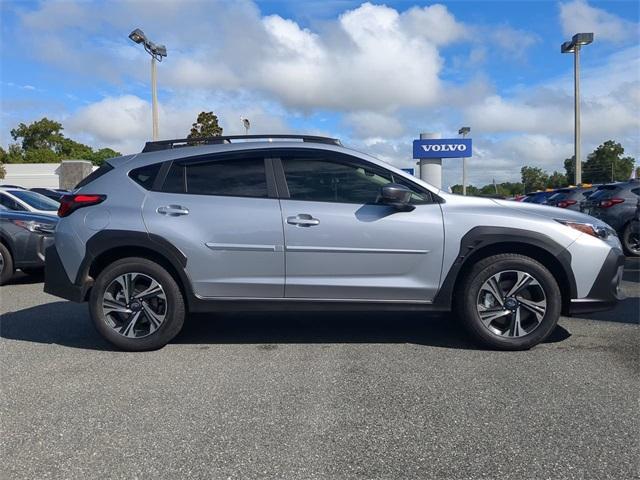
[410, 171]
[442, 148]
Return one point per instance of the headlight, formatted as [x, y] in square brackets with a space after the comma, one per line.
[590, 229]
[33, 226]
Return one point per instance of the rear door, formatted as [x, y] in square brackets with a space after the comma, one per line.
[341, 244]
[221, 212]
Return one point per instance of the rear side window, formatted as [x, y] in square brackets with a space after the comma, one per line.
[105, 168]
[636, 191]
[145, 176]
[244, 177]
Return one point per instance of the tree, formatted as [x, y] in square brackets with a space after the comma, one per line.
[605, 164]
[43, 142]
[557, 180]
[3, 172]
[14, 155]
[43, 133]
[98, 158]
[534, 178]
[206, 126]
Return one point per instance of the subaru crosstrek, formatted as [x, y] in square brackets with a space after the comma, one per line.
[303, 223]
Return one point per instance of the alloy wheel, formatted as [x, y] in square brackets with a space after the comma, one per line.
[511, 303]
[134, 305]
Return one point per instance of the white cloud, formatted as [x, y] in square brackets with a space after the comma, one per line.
[578, 16]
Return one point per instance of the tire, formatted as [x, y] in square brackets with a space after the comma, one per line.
[631, 239]
[6, 264]
[533, 311]
[113, 311]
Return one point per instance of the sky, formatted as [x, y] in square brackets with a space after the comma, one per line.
[375, 75]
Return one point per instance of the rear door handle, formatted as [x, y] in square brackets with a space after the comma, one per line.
[303, 220]
[173, 210]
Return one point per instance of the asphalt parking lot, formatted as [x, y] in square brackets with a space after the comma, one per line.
[316, 396]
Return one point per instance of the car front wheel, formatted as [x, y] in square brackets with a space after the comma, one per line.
[137, 305]
[509, 302]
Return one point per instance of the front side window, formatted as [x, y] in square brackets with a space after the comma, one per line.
[339, 180]
[243, 177]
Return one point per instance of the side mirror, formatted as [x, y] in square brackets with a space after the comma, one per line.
[396, 196]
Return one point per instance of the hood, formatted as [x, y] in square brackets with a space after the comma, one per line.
[550, 212]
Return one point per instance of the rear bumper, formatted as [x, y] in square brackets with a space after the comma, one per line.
[56, 281]
[605, 292]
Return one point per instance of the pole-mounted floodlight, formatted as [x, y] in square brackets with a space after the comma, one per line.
[573, 46]
[157, 52]
[247, 124]
[464, 131]
[137, 36]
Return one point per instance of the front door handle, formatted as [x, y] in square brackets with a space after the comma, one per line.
[303, 220]
[173, 210]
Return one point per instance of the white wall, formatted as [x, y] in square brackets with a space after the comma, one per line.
[29, 175]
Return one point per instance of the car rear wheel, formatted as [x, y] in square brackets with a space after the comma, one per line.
[509, 302]
[631, 239]
[6, 264]
[137, 305]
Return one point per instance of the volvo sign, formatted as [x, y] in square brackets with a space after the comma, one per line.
[442, 148]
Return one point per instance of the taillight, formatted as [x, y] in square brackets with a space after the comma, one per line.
[610, 202]
[71, 203]
[566, 203]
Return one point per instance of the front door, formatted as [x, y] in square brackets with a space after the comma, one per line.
[341, 244]
[217, 210]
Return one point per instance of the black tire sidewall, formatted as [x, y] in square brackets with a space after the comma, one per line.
[175, 305]
[492, 265]
[625, 238]
[8, 270]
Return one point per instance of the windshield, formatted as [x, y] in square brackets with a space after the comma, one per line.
[35, 200]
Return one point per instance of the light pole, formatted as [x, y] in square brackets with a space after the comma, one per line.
[247, 125]
[464, 131]
[573, 46]
[157, 52]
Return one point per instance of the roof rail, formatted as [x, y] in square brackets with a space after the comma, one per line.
[188, 142]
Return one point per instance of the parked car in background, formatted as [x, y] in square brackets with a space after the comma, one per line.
[617, 205]
[570, 197]
[21, 200]
[52, 193]
[24, 236]
[537, 197]
[11, 186]
[309, 224]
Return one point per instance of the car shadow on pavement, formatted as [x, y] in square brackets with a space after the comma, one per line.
[68, 324]
[627, 311]
[20, 278]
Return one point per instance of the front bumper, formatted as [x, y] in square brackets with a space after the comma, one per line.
[606, 290]
[56, 281]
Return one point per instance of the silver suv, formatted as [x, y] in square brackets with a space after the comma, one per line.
[300, 222]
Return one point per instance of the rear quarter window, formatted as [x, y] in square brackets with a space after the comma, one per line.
[145, 176]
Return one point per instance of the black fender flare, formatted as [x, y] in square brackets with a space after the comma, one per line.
[481, 237]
